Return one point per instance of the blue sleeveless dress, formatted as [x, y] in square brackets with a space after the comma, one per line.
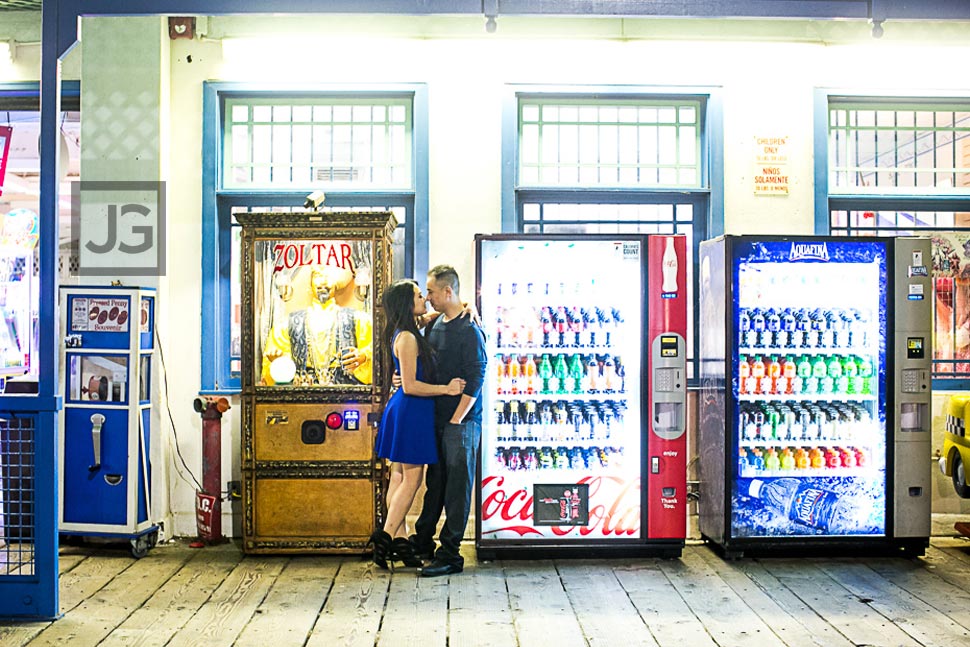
[406, 434]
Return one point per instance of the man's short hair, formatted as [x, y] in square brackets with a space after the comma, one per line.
[446, 275]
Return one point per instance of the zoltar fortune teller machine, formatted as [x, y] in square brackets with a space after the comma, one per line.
[311, 372]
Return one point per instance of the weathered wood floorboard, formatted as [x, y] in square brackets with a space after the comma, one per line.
[218, 596]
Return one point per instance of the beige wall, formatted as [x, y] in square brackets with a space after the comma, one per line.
[767, 73]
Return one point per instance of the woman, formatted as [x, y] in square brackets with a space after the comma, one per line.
[406, 436]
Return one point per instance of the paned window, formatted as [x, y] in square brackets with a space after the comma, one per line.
[902, 168]
[362, 148]
[627, 163]
[335, 142]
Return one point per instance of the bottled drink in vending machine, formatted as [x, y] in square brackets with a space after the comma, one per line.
[744, 327]
[773, 326]
[545, 319]
[576, 326]
[610, 380]
[559, 372]
[502, 430]
[803, 327]
[515, 422]
[501, 375]
[591, 378]
[788, 372]
[759, 328]
[589, 321]
[514, 374]
[603, 326]
[531, 420]
[785, 337]
[530, 375]
[774, 373]
[576, 373]
[499, 323]
[864, 366]
[560, 322]
[818, 326]
[744, 372]
[760, 376]
[545, 374]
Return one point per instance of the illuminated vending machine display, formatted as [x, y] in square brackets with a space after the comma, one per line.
[584, 400]
[311, 375]
[815, 400]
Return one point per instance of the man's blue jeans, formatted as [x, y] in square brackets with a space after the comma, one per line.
[450, 484]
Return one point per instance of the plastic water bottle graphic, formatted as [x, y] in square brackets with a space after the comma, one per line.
[669, 268]
[824, 510]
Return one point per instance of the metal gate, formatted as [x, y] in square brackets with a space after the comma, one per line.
[28, 533]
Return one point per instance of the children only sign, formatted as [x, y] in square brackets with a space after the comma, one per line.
[771, 166]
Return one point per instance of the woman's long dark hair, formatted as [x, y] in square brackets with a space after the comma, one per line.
[399, 315]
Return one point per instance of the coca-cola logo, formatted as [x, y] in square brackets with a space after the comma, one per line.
[614, 509]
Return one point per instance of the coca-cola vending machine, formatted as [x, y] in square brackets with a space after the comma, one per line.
[583, 438]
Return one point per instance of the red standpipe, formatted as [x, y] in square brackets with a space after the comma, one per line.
[212, 467]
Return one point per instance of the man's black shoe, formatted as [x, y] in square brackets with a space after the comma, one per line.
[422, 551]
[438, 568]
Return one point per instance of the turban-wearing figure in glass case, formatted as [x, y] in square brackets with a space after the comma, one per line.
[323, 344]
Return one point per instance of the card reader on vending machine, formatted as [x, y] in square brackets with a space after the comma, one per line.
[667, 387]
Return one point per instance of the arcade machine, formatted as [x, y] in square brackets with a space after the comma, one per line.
[311, 400]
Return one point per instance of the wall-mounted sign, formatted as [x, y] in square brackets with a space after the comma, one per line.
[771, 165]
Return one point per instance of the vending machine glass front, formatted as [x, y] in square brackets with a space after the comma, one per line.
[809, 380]
[561, 441]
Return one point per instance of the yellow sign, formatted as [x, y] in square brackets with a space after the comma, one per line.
[771, 166]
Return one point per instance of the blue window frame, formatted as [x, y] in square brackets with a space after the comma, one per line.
[900, 166]
[266, 149]
[615, 160]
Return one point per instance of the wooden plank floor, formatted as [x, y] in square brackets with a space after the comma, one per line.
[217, 596]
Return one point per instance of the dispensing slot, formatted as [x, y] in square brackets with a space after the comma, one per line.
[667, 416]
[97, 421]
[913, 416]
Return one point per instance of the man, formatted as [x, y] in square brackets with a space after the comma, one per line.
[459, 344]
[329, 344]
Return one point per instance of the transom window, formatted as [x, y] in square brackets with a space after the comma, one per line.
[898, 149]
[334, 142]
[620, 143]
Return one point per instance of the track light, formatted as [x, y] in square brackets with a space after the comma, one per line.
[490, 24]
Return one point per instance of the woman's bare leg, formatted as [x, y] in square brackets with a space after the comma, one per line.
[401, 497]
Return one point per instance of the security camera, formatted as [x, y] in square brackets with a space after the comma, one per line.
[314, 200]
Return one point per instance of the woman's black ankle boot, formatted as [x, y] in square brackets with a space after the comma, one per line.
[382, 547]
[403, 551]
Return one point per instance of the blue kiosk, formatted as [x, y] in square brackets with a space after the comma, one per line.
[105, 431]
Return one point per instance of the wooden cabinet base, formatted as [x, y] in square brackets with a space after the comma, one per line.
[308, 515]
